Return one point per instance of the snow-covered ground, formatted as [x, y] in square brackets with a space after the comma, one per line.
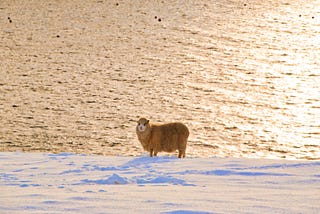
[69, 183]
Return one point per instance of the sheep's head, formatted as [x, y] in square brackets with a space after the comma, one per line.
[143, 124]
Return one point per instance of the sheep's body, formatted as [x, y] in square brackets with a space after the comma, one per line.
[162, 138]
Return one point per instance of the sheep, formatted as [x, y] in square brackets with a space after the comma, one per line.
[162, 138]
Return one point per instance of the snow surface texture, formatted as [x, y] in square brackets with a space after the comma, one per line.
[68, 183]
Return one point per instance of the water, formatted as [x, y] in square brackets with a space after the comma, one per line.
[261, 68]
[244, 76]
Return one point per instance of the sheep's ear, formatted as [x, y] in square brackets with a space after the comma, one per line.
[147, 121]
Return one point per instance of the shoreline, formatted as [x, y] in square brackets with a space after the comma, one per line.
[162, 154]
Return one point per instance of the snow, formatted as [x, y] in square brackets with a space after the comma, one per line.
[69, 183]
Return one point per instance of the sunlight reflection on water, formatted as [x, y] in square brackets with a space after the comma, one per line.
[266, 76]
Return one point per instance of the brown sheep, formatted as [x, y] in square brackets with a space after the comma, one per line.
[162, 138]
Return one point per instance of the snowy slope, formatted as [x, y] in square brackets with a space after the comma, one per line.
[49, 183]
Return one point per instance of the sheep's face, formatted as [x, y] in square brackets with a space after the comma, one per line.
[143, 124]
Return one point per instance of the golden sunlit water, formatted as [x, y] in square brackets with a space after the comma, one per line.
[243, 75]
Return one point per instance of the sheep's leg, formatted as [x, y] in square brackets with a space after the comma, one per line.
[155, 153]
[151, 152]
[182, 154]
[182, 151]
